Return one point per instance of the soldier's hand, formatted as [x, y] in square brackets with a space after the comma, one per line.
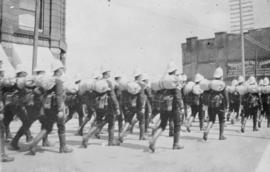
[61, 114]
[1, 117]
[118, 113]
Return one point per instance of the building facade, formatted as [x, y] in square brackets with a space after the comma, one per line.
[17, 19]
[203, 56]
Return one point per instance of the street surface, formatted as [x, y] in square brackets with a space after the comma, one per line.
[249, 152]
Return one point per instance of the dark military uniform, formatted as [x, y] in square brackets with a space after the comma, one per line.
[171, 106]
[53, 111]
[251, 105]
[234, 104]
[266, 107]
[105, 107]
[4, 157]
[196, 108]
[74, 104]
[133, 104]
[218, 102]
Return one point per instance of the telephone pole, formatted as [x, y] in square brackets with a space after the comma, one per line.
[36, 32]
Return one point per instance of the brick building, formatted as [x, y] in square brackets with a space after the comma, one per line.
[17, 31]
[224, 50]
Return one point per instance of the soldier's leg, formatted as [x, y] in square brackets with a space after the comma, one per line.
[120, 120]
[129, 115]
[71, 111]
[111, 123]
[100, 122]
[255, 118]
[80, 114]
[201, 118]
[141, 117]
[212, 118]
[171, 127]
[133, 123]
[164, 116]
[4, 156]
[221, 117]
[60, 120]
[147, 118]
[244, 120]
[177, 119]
[194, 111]
[8, 117]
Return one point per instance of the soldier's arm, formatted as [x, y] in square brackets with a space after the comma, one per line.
[114, 99]
[179, 99]
[59, 92]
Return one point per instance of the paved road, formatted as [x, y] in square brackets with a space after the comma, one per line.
[247, 152]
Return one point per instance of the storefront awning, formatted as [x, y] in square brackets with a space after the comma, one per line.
[25, 55]
[9, 70]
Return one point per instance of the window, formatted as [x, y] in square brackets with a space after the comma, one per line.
[27, 14]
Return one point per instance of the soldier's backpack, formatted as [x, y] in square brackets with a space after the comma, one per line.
[216, 100]
[252, 100]
[165, 100]
[102, 101]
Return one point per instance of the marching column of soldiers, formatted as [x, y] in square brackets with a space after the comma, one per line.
[109, 99]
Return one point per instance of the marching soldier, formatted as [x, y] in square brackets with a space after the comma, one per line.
[14, 100]
[266, 100]
[134, 101]
[196, 103]
[106, 109]
[217, 105]
[53, 111]
[172, 108]
[261, 111]
[4, 156]
[251, 104]
[118, 92]
[234, 102]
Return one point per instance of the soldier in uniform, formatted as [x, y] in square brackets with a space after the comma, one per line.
[118, 92]
[54, 112]
[106, 109]
[234, 103]
[16, 104]
[172, 108]
[4, 156]
[149, 97]
[196, 103]
[218, 104]
[134, 103]
[266, 100]
[251, 104]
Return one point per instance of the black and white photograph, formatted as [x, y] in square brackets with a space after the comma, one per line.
[135, 85]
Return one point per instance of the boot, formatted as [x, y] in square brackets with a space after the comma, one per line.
[63, 148]
[28, 135]
[152, 142]
[6, 158]
[15, 140]
[255, 128]
[86, 137]
[45, 141]
[8, 134]
[171, 128]
[142, 137]
[221, 132]
[176, 138]
[35, 141]
[80, 131]
[206, 132]
[112, 142]
[122, 134]
[189, 123]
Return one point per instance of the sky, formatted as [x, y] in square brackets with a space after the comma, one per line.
[144, 34]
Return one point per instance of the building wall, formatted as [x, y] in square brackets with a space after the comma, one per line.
[203, 56]
[17, 21]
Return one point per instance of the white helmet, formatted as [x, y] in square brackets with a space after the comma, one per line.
[20, 68]
[105, 68]
[184, 77]
[218, 73]
[145, 76]
[252, 81]
[241, 79]
[234, 82]
[171, 67]
[261, 82]
[137, 72]
[266, 81]
[57, 65]
[198, 77]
